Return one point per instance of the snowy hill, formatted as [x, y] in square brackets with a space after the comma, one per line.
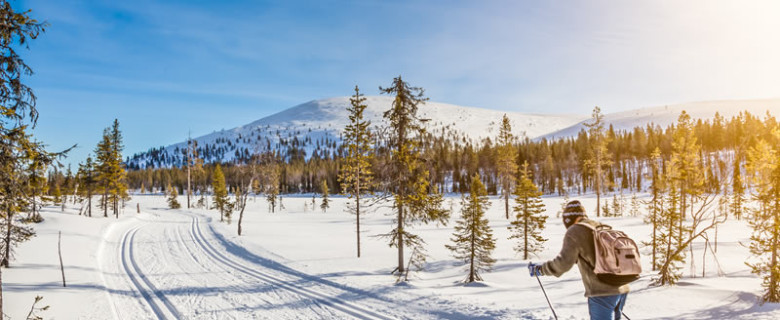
[315, 127]
[666, 115]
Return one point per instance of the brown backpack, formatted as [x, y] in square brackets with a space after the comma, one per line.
[617, 256]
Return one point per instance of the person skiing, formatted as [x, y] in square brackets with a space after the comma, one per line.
[605, 301]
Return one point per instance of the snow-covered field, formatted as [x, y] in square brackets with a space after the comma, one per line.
[301, 264]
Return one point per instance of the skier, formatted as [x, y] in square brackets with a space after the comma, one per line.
[605, 301]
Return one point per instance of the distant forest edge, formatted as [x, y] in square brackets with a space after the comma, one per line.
[558, 166]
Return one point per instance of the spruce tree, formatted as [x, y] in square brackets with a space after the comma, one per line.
[529, 221]
[763, 168]
[599, 154]
[18, 114]
[103, 159]
[117, 183]
[737, 188]
[356, 176]
[473, 240]
[221, 201]
[325, 194]
[685, 160]
[407, 179]
[655, 205]
[506, 157]
[86, 180]
[172, 195]
[669, 231]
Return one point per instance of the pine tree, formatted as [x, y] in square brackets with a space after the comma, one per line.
[599, 154]
[655, 205]
[172, 195]
[407, 179]
[221, 201]
[194, 165]
[271, 177]
[473, 238]
[669, 231]
[117, 182]
[506, 156]
[111, 175]
[325, 193]
[103, 167]
[529, 221]
[86, 180]
[685, 160]
[737, 189]
[356, 176]
[763, 167]
[634, 206]
[18, 113]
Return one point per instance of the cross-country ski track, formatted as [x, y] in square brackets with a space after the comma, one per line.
[176, 266]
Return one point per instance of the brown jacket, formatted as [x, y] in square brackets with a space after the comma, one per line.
[578, 248]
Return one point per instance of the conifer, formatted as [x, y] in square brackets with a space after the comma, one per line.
[414, 200]
[763, 167]
[172, 195]
[529, 221]
[599, 154]
[472, 241]
[737, 189]
[356, 176]
[221, 201]
[506, 165]
[18, 114]
[325, 203]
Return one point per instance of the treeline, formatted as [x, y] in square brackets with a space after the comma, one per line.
[559, 166]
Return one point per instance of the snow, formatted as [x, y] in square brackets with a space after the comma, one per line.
[666, 115]
[301, 264]
[324, 120]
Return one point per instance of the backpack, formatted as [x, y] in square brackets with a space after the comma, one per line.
[617, 256]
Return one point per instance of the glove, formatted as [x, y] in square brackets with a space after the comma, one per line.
[534, 269]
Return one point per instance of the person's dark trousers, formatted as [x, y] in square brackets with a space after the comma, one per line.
[606, 307]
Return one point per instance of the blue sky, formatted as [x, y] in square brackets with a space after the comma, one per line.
[164, 68]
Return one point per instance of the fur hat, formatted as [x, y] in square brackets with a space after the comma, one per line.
[573, 210]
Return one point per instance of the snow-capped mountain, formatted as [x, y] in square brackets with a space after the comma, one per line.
[666, 115]
[315, 127]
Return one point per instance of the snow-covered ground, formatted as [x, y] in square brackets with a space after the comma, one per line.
[300, 264]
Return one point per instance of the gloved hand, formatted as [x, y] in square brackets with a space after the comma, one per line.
[534, 269]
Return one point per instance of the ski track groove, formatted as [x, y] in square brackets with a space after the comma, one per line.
[318, 297]
[229, 268]
[202, 263]
[127, 254]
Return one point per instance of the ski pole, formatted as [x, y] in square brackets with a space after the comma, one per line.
[545, 296]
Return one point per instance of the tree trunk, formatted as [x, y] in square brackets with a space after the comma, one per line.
[1, 293]
[400, 239]
[525, 230]
[506, 202]
[189, 190]
[473, 252]
[357, 212]
[241, 213]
